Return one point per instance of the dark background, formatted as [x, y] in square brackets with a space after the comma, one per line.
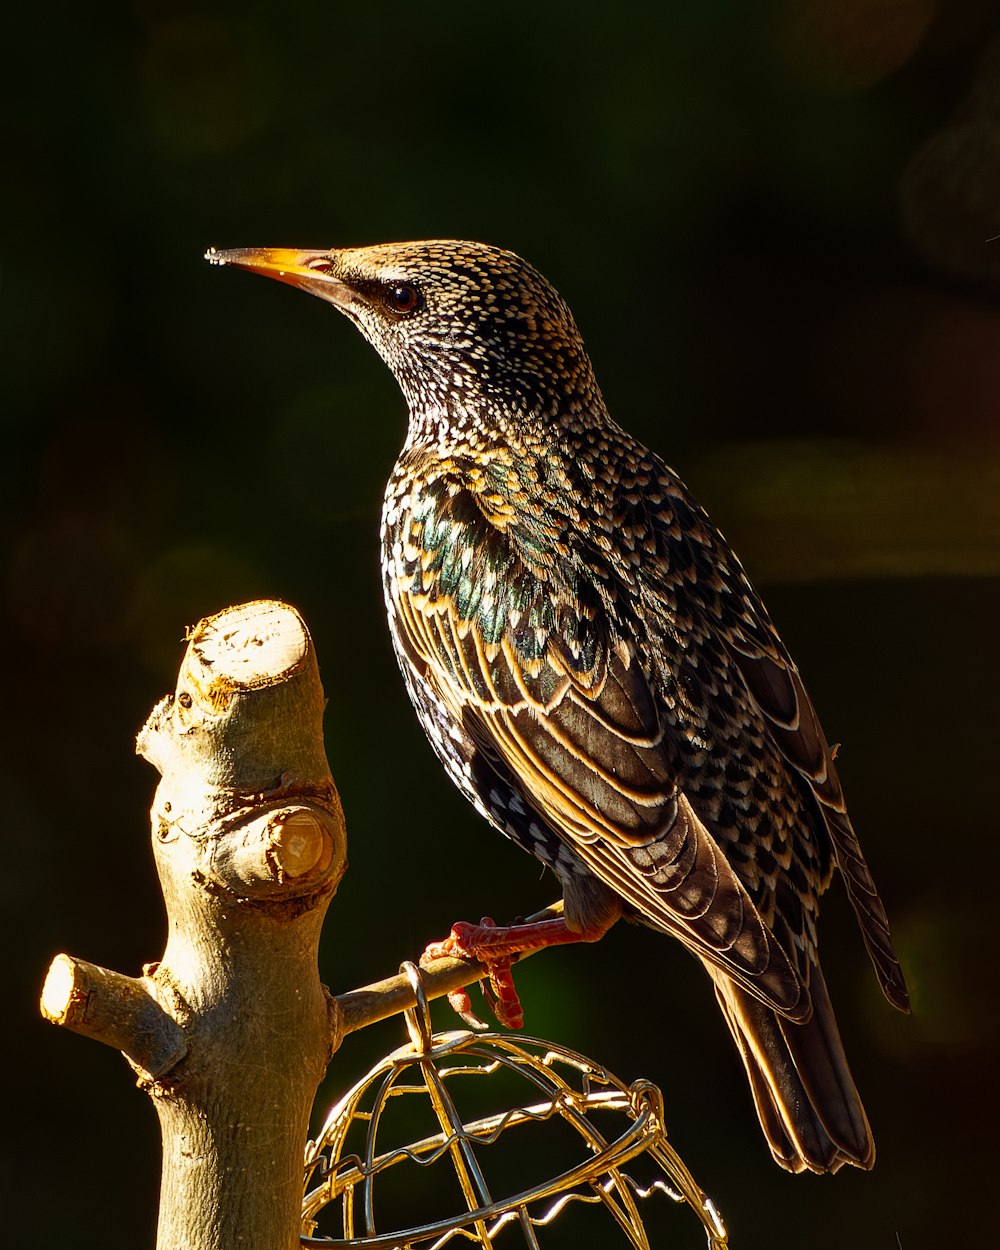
[772, 222]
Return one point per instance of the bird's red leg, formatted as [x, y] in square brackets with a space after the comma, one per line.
[487, 942]
[494, 946]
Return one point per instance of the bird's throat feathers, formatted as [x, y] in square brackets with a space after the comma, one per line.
[468, 393]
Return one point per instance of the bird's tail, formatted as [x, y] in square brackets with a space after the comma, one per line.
[806, 1099]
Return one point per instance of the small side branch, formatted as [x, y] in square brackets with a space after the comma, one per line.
[371, 1003]
[115, 1009]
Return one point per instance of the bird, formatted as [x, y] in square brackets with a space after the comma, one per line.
[595, 671]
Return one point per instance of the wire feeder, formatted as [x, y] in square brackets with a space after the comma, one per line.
[564, 1085]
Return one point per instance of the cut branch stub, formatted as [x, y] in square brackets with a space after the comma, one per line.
[114, 1009]
[248, 705]
[232, 1030]
[246, 804]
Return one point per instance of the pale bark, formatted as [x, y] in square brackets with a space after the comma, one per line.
[232, 1030]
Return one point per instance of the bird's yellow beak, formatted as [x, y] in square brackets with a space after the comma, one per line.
[313, 271]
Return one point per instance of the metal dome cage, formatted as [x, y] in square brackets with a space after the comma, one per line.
[577, 1129]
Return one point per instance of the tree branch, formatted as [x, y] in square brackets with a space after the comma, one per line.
[114, 1009]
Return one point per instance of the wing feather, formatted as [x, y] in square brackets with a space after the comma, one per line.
[775, 684]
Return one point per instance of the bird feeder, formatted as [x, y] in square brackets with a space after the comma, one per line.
[563, 1099]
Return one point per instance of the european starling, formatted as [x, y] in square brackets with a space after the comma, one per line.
[595, 671]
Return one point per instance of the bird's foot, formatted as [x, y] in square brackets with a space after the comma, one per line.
[465, 942]
[496, 947]
[501, 998]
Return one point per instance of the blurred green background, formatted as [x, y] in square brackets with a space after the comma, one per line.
[771, 221]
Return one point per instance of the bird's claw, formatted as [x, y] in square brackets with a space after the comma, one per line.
[501, 995]
[461, 1005]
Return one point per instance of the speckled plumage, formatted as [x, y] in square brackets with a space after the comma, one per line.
[596, 672]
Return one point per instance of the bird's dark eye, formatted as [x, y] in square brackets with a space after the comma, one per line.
[403, 298]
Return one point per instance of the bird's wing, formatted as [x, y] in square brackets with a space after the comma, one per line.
[720, 593]
[539, 681]
[775, 685]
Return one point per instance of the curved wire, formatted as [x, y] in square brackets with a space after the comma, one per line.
[599, 1179]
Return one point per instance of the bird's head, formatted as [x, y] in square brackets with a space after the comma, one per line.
[466, 328]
